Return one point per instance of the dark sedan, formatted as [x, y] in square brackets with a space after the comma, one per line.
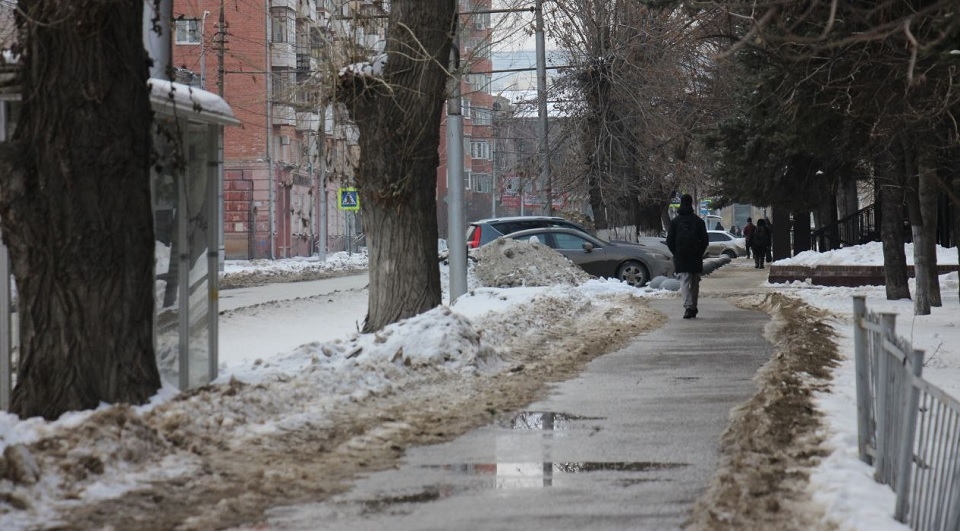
[631, 263]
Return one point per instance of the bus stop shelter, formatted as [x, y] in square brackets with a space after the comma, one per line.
[187, 203]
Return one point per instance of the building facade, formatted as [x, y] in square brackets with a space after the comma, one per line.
[283, 167]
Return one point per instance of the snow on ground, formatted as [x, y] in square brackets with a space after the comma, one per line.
[842, 482]
[446, 340]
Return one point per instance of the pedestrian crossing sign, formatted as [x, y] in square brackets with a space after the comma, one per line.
[348, 199]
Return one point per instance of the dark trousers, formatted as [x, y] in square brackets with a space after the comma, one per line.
[759, 255]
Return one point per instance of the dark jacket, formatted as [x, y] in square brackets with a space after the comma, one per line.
[748, 233]
[692, 263]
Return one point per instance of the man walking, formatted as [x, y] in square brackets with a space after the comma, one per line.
[687, 240]
[761, 243]
[748, 234]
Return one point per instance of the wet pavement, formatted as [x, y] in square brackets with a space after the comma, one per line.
[629, 444]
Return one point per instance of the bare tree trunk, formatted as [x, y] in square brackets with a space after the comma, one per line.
[928, 199]
[921, 301]
[891, 231]
[399, 121]
[75, 208]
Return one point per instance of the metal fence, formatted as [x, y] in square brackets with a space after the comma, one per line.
[909, 429]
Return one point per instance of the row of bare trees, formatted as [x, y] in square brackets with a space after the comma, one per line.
[834, 94]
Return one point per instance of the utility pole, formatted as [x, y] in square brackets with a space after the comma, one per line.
[203, 50]
[222, 32]
[545, 184]
[456, 221]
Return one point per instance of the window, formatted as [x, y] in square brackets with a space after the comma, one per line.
[188, 31]
[568, 242]
[482, 116]
[479, 82]
[282, 86]
[481, 182]
[480, 149]
[278, 26]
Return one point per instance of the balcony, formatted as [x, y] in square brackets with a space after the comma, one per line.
[282, 55]
[308, 121]
[283, 114]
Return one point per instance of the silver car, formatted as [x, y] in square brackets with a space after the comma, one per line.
[631, 263]
[724, 243]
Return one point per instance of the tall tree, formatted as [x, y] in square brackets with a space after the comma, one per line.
[75, 208]
[398, 111]
[881, 67]
[628, 93]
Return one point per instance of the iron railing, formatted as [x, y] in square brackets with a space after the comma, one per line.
[855, 229]
[909, 429]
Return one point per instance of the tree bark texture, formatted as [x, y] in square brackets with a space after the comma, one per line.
[928, 198]
[75, 208]
[911, 193]
[891, 230]
[399, 121]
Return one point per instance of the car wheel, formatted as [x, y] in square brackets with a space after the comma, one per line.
[633, 273]
[730, 253]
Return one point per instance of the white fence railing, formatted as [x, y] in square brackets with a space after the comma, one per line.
[909, 429]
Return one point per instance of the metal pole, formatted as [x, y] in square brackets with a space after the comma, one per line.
[862, 369]
[882, 390]
[493, 177]
[905, 458]
[203, 50]
[324, 210]
[456, 221]
[545, 184]
[159, 45]
[271, 181]
[222, 34]
[6, 332]
[6, 335]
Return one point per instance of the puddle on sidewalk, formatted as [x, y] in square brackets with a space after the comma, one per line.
[544, 420]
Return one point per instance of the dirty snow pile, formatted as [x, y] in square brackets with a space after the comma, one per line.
[507, 263]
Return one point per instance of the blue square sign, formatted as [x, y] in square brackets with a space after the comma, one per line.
[348, 199]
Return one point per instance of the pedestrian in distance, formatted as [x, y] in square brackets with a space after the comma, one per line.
[761, 242]
[687, 240]
[748, 234]
[769, 245]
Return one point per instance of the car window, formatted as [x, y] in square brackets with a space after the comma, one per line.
[568, 242]
[718, 237]
[509, 227]
[543, 238]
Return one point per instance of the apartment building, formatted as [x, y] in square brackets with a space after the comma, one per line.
[478, 117]
[284, 165]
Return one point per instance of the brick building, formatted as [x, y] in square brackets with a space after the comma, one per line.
[281, 169]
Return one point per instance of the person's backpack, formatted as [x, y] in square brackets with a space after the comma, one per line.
[687, 242]
[761, 236]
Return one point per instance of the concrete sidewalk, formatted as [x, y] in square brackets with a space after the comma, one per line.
[629, 444]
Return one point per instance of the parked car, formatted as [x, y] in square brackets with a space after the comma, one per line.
[656, 244]
[486, 230]
[632, 263]
[724, 243]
